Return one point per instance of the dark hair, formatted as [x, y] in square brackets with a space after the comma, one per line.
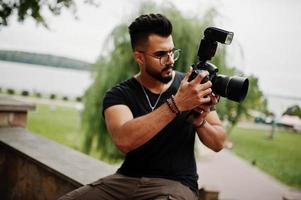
[145, 25]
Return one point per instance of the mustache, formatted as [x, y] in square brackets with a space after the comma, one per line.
[167, 67]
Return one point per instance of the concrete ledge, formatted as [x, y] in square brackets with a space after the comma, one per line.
[13, 113]
[33, 167]
[73, 165]
[13, 105]
[292, 195]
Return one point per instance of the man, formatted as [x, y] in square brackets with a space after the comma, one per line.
[150, 120]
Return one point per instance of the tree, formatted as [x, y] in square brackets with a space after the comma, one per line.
[33, 9]
[108, 71]
[294, 110]
[117, 64]
[233, 111]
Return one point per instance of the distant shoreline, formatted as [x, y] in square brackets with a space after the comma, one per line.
[43, 60]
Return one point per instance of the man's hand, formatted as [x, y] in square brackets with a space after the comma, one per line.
[202, 111]
[192, 94]
[212, 133]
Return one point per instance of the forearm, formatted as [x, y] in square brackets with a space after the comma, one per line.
[213, 136]
[138, 131]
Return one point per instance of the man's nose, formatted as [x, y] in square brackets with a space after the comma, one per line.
[170, 59]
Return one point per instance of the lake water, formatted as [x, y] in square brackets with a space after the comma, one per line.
[48, 80]
[69, 82]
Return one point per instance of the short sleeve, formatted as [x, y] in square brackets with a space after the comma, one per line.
[113, 97]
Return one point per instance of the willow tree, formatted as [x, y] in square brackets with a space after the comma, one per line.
[117, 64]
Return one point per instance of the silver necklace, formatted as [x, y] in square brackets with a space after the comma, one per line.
[147, 98]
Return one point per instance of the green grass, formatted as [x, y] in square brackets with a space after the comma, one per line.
[61, 124]
[280, 157]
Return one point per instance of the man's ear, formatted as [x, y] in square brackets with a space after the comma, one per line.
[138, 57]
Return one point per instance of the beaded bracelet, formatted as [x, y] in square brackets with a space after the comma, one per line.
[168, 102]
[175, 105]
[172, 106]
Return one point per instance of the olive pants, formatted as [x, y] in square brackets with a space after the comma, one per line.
[119, 187]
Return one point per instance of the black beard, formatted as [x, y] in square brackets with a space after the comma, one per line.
[158, 76]
[165, 80]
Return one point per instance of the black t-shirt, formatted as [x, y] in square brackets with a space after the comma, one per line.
[170, 153]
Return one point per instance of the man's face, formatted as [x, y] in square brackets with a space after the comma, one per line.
[156, 67]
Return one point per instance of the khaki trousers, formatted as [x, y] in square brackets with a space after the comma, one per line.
[119, 187]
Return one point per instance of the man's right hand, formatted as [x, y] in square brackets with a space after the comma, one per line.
[193, 94]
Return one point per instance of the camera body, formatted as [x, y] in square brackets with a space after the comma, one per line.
[231, 87]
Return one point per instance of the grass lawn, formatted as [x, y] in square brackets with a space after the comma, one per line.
[61, 124]
[280, 157]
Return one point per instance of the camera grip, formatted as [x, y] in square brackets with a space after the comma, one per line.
[194, 73]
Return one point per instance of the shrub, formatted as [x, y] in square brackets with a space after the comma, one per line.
[79, 99]
[38, 94]
[24, 93]
[65, 98]
[10, 91]
[52, 96]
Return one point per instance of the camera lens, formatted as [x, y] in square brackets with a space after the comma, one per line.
[237, 88]
[234, 88]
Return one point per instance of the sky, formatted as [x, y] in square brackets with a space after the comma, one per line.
[266, 35]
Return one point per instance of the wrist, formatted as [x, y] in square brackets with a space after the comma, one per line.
[178, 103]
[202, 124]
[172, 105]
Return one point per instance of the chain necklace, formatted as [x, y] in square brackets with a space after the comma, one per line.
[147, 98]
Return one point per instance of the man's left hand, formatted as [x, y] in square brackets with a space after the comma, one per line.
[204, 109]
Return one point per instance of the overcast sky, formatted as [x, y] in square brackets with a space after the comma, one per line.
[266, 30]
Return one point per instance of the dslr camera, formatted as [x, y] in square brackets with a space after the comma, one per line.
[231, 87]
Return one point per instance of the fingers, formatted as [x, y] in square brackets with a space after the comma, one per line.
[205, 99]
[205, 93]
[188, 74]
[199, 77]
[204, 86]
[202, 108]
[214, 98]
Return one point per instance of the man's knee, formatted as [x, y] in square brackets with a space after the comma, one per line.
[78, 194]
